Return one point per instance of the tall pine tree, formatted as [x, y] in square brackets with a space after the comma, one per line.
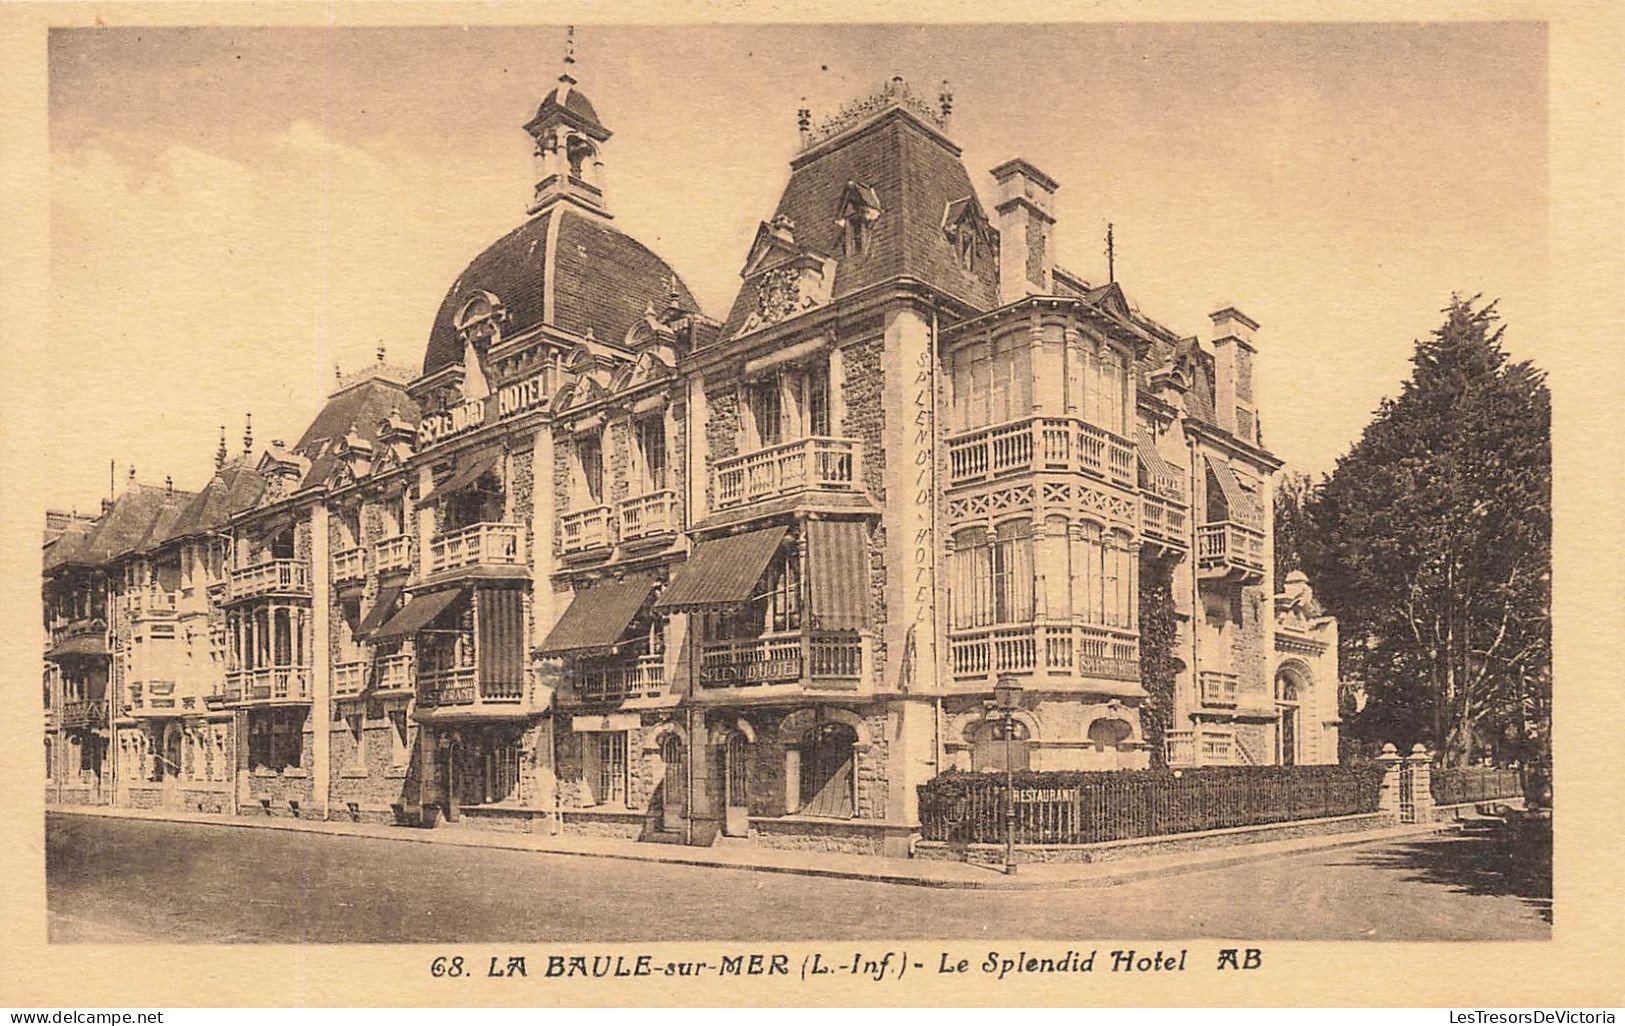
[1431, 544]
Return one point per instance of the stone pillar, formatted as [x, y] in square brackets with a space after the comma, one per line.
[1420, 762]
[704, 815]
[546, 607]
[1388, 801]
[321, 658]
[911, 488]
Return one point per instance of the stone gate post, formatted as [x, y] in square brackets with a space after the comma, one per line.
[1420, 762]
[1388, 802]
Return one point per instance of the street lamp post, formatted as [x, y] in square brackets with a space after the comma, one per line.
[1006, 701]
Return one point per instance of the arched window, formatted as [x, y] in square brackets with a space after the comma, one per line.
[827, 771]
[996, 745]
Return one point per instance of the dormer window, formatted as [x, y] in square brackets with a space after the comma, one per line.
[967, 229]
[859, 210]
[965, 247]
[480, 320]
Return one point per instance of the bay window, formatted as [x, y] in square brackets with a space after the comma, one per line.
[993, 575]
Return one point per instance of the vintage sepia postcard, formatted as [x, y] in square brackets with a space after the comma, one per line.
[562, 505]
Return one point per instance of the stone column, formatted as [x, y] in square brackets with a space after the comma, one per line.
[1420, 762]
[320, 650]
[1388, 801]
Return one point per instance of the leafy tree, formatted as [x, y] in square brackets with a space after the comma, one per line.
[1432, 545]
[1293, 531]
[1158, 627]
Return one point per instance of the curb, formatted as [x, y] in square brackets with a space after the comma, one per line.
[1131, 871]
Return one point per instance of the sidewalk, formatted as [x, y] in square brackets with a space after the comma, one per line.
[913, 872]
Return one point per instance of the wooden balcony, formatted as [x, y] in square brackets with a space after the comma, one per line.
[394, 675]
[810, 464]
[1040, 445]
[1043, 649]
[392, 554]
[483, 545]
[448, 693]
[350, 565]
[644, 677]
[585, 530]
[1231, 551]
[84, 713]
[1217, 689]
[268, 685]
[283, 577]
[649, 516]
[350, 678]
[817, 660]
[84, 636]
[151, 604]
[1164, 522]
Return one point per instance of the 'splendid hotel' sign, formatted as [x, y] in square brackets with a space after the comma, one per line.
[508, 401]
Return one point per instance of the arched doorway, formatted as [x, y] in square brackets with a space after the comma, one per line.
[1288, 712]
[999, 745]
[674, 787]
[827, 771]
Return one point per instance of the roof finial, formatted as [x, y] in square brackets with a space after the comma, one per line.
[804, 122]
[380, 352]
[1111, 256]
[132, 473]
[945, 102]
[220, 453]
[569, 45]
[338, 375]
[248, 433]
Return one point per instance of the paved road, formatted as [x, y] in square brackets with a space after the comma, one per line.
[125, 880]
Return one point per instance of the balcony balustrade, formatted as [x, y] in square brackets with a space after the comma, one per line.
[1040, 445]
[350, 678]
[273, 577]
[1043, 648]
[649, 516]
[1218, 689]
[586, 529]
[396, 674]
[818, 660]
[489, 544]
[818, 463]
[644, 677]
[151, 604]
[84, 712]
[85, 626]
[461, 689]
[392, 554]
[1229, 549]
[349, 565]
[1164, 520]
[269, 684]
[1179, 747]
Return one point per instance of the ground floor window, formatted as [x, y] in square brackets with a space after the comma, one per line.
[276, 739]
[502, 771]
[998, 746]
[607, 773]
[675, 784]
[735, 765]
[827, 773]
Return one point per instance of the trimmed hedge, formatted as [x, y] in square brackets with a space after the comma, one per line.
[1064, 807]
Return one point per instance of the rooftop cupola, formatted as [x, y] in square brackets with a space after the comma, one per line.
[569, 145]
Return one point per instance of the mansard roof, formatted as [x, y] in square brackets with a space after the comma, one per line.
[913, 173]
[587, 277]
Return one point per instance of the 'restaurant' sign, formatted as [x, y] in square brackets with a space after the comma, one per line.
[508, 401]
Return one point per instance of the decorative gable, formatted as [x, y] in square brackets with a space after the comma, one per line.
[786, 278]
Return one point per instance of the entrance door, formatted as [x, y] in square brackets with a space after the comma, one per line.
[735, 786]
[827, 772]
[674, 789]
[171, 761]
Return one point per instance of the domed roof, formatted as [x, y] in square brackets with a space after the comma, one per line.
[565, 102]
[584, 276]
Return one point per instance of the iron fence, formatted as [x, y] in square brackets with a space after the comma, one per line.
[1457, 785]
[1083, 808]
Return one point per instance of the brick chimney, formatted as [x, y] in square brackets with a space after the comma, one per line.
[1234, 399]
[1026, 223]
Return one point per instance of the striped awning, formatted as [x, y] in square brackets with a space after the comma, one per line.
[417, 614]
[382, 609]
[838, 572]
[598, 616]
[1242, 507]
[723, 572]
[1156, 472]
[500, 615]
[470, 467]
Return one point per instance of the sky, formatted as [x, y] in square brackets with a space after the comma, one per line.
[234, 211]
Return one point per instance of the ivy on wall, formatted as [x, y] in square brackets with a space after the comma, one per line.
[1157, 667]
